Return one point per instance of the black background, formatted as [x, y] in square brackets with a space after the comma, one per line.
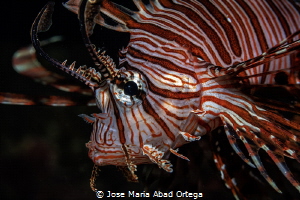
[42, 151]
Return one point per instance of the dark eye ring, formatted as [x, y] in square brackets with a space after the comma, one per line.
[131, 88]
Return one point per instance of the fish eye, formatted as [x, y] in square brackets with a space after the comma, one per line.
[131, 88]
[128, 87]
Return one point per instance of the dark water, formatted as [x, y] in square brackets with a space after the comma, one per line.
[42, 151]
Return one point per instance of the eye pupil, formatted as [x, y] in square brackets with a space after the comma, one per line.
[131, 88]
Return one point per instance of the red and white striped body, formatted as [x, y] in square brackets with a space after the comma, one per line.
[172, 44]
[178, 55]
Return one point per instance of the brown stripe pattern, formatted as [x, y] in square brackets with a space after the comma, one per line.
[179, 50]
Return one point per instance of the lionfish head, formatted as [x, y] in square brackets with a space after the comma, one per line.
[147, 97]
[143, 101]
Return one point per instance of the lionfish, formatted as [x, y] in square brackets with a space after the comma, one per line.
[183, 74]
